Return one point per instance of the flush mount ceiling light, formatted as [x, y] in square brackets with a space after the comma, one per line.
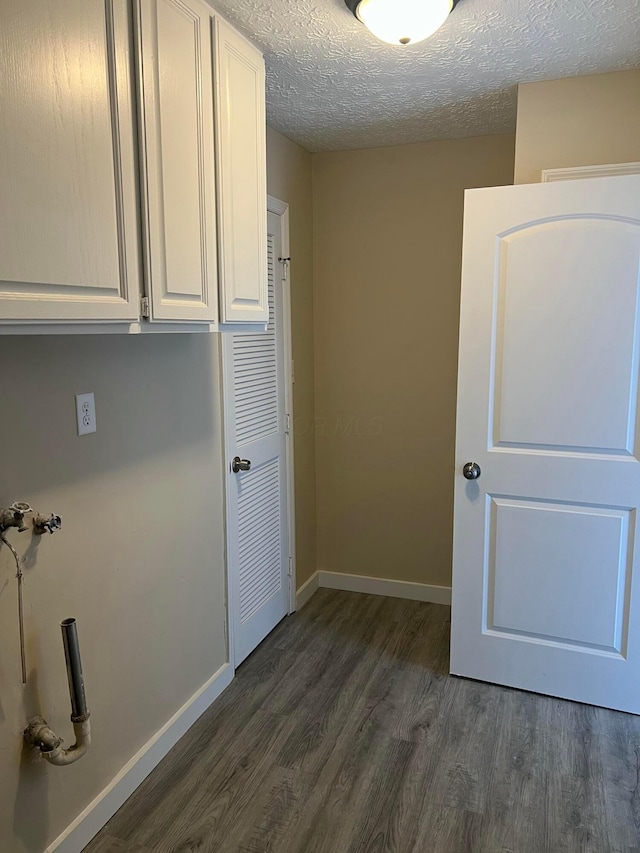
[402, 21]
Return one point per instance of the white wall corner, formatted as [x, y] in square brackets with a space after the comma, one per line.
[91, 820]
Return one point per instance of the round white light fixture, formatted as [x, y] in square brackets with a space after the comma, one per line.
[402, 21]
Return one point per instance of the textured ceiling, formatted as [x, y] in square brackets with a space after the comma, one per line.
[332, 85]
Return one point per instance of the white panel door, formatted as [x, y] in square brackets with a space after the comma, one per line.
[546, 593]
[242, 177]
[178, 160]
[255, 427]
[68, 211]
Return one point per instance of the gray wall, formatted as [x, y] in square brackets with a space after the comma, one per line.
[139, 561]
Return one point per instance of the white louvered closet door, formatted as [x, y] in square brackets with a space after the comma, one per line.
[257, 498]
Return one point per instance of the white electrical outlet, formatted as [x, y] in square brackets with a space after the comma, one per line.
[86, 413]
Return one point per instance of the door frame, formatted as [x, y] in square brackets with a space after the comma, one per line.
[280, 209]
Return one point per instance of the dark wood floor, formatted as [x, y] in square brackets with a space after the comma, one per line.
[343, 733]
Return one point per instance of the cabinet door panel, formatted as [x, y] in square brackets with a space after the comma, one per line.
[68, 211]
[242, 190]
[178, 159]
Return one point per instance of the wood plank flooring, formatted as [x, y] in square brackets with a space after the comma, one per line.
[343, 733]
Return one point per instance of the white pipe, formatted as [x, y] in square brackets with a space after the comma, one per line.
[61, 757]
[40, 735]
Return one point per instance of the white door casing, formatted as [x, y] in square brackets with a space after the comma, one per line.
[257, 404]
[577, 173]
[545, 574]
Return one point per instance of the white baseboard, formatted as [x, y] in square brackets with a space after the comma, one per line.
[373, 586]
[383, 586]
[306, 590]
[90, 821]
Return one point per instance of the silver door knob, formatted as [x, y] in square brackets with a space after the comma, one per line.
[240, 465]
[471, 471]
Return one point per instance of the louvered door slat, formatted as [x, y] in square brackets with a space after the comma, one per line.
[250, 516]
[267, 535]
[260, 569]
[253, 500]
[262, 533]
[256, 408]
[263, 545]
[255, 358]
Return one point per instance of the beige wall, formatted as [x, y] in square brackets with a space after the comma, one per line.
[578, 121]
[139, 560]
[387, 250]
[289, 179]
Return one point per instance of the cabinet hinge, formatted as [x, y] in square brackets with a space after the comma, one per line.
[144, 306]
[290, 572]
[287, 423]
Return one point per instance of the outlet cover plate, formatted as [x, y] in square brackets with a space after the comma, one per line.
[86, 413]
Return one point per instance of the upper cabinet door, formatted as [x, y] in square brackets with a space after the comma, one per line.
[178, 160]
[68, 215]
[242, 184]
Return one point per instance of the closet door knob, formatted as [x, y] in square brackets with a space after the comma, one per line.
[240, 465]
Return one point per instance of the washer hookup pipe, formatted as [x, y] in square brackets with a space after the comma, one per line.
[39, 735]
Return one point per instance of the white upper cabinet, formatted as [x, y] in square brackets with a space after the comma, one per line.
[242, 182]
[68, 197]
[122, 211]
[177, 162]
